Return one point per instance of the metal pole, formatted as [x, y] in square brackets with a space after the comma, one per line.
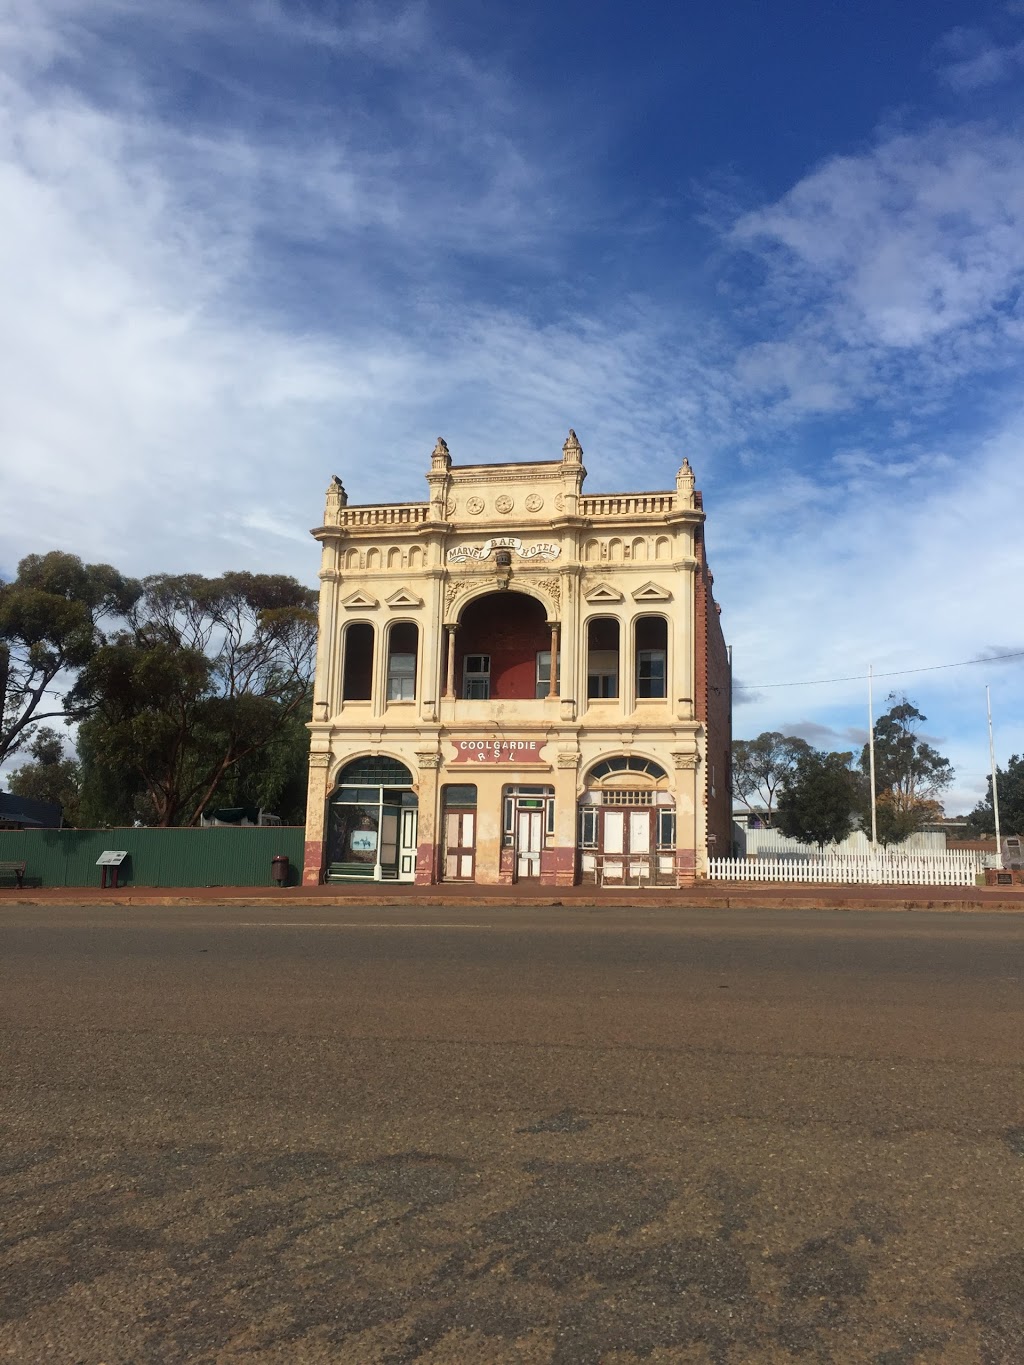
[992, 762]
[871, 760]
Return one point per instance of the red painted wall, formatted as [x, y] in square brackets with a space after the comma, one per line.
[714, 707]
[512, 629]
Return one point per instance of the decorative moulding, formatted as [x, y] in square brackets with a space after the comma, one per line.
[651, 592]
[359, 601]
[602, 592]
[404, 598]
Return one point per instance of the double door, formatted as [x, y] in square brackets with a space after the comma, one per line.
[627, 845]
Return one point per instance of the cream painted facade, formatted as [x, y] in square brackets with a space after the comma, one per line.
[445, 745]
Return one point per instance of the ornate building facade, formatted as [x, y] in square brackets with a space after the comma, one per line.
[518, 682]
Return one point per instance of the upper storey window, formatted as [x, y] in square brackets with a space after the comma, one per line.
[357, 674]
[602, 658]
[651, 656]
[476, 677]
[403, 642]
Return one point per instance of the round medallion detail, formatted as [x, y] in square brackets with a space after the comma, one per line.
[474, 506]
[534, 502]
[503, 503]
[559, 502]
[450, 507]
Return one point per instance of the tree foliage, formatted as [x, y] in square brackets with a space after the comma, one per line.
[910, 773]
[818, 798]
[209, 674]
[760, 765]
[50, 617]
[1010, 782]
[51, 777]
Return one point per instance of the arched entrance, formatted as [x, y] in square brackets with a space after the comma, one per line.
[502, 649]
[627, 824]
[371, 827]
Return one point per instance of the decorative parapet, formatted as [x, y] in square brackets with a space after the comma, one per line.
[628, 505]
[394, 514]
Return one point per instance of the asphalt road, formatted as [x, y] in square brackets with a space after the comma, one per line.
[483, 1136]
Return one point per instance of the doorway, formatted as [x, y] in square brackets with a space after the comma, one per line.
[459, 852]
[528, 826]
[407, 844]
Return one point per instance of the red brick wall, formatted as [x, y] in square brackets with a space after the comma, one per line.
[512, 628]
[714, 708]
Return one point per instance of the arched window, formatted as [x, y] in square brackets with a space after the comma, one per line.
[375, 770]
[403, 643]
[357, 677]
[651, 656]
[623, 763]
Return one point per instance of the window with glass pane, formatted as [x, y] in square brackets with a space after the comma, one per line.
[588, 826]
[602, 658]
[666, 829]
[402, 677]
[402, 644]
[650, 673]
[651, 654]
[476, 677]
[544, 673]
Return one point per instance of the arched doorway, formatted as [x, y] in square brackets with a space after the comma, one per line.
[627, 824]
[371, 827]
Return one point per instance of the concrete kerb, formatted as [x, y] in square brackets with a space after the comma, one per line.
[723, 898]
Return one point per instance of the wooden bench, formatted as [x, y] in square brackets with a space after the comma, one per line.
[14, 870]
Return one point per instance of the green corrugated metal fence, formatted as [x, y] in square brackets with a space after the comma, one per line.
[156, 857]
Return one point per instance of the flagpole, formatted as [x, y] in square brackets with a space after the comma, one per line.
[992, 763]
[871, 760]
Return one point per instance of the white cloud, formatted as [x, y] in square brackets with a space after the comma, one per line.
[968, 59]
[917, 239]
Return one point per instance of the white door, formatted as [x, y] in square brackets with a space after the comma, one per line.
[529, 841]
[640, 845]
[613, 843]
[407, 845]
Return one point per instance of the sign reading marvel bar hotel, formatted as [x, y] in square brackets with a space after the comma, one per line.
[497, 750]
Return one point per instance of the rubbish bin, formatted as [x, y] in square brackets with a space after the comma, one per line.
[279, 868]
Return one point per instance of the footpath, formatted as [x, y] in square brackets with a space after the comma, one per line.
[704, 895]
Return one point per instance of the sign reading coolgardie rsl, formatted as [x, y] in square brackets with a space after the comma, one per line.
[512, 751]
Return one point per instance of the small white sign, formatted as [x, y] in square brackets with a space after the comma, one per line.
[111, 857]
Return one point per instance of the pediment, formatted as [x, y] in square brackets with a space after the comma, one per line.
[404, 597]
[358, 601]
[602, 592]
[651, 592]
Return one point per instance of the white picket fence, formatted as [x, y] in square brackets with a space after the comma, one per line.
[956, 868]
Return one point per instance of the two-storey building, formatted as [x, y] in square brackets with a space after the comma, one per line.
[518, 682]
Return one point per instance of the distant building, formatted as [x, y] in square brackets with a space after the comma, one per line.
[22, 812]
[517, 682]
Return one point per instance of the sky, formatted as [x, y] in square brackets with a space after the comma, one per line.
[246, 246]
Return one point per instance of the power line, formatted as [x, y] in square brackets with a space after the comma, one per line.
[895, 673]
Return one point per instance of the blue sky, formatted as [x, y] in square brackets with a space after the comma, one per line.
[246, 246]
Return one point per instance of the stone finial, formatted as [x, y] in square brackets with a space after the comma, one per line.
[440, 458]
[684, 479]
[337, 498]
[572, 451]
